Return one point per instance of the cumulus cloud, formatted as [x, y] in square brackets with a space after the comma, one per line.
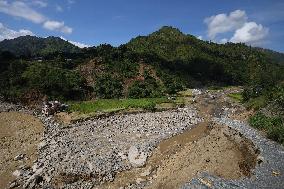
[237, 23]
[23, 10]
[57, 26]
[78, 44]
[251, 33]
[224, 23]
[6, 33]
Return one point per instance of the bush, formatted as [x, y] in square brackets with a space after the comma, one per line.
[54, 81]
[147, 88]
[272, 125]
[108, 86]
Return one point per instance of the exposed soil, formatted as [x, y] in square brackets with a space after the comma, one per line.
[219, 151]
[19, 134]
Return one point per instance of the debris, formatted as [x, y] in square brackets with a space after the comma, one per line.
[19, 157]
[208, 183]
[52, 107]
[275, 173]
[18, 173]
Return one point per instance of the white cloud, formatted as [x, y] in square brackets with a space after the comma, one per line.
[224, 40]
[6, 33]
[23, 10]
[71, 1]
[200, 37]
[58, 8]
[39, 3]
[237, 23]
[57, 26]
[78, 44]
[224, 23]
[251, 33]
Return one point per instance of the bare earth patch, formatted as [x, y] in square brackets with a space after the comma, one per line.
[220, 151]
[19, 134]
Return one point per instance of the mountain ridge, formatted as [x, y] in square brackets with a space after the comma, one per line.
[167, 34]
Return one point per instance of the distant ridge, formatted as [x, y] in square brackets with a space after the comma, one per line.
[37, 46]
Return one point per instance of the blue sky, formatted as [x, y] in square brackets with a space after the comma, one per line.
[93, 22]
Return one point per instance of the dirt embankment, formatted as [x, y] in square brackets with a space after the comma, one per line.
[19, 134]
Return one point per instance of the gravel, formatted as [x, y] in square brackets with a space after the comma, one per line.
[91, 152]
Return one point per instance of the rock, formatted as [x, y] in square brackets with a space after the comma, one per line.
[19, 157]
[47, 178]
[14, 184]
[147, 172]
[37, 166]
[196, 92]
[135, 158]
[260, 159]
[33, 181]
[41, 145]
[18, 173]
[122, 155]
[140, 180]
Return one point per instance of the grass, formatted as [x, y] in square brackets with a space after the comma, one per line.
[273, 126]
[256, 103]
[236, 96]
[113, 105]
[186, 93]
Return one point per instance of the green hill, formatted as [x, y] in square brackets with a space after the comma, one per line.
[36, 46]
[161, 63]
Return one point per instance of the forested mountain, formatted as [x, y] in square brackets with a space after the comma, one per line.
[161, 63]
[30, 46]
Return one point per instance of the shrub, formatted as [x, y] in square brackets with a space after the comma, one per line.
[108, 86]
[272, 125]
[54, 81]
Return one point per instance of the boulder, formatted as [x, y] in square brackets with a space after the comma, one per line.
[135, 158]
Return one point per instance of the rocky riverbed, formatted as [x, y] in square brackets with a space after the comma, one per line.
[144, 150]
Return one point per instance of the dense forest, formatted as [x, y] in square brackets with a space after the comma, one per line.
[159, 64]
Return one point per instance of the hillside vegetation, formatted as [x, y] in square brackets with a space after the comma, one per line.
[162, 63]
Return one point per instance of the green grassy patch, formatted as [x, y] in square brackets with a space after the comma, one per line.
[113, 105]
[273, 126]
[186, 93]
[236, 96]
[256, 103]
